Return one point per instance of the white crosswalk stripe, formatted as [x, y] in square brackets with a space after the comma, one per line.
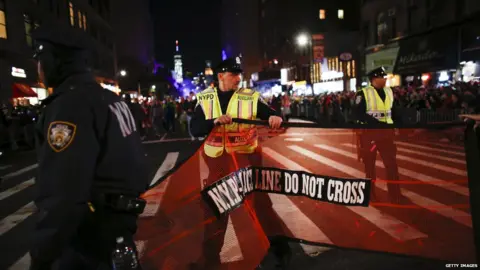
[290, 212]
[456, 153]
[166, 166]
[418, 153]
[20, 215]
[415, 175]
[11, 191]
[383, 221]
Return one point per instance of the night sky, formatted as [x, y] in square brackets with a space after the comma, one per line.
[195, 24]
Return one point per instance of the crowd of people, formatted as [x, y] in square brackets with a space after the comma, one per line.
[156, 117]
[336, 107]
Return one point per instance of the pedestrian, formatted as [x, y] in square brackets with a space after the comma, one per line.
[231, 144]
[189, 107]
[91, 163]
[373, 106]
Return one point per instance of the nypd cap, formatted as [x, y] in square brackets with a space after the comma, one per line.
[61, 36]
[229, 65]
[377, 73]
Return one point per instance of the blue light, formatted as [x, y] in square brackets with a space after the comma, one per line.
[176, 47]
[224, 55]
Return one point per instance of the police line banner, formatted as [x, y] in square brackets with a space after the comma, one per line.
[313, 185]
[229, 192]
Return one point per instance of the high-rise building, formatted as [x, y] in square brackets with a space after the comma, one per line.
[307, 38]
[18, 73]
[178, 65]
[133, 28]
[422, 40]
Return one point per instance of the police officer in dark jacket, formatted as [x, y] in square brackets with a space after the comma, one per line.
[91, 161]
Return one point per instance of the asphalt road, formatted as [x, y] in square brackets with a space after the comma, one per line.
[164, 153]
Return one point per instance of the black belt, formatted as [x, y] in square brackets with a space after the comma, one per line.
[119, 202]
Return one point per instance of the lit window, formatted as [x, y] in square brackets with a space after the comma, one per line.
[340, 14]
[84, 22]
[80, 23]
[3, 21]
[72, 14]
[322, 14]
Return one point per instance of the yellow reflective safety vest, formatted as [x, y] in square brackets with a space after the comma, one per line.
[234, 138]
[376, 107]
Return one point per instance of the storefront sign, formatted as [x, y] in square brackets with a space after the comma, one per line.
[18, 72]
[385, 58]
[427, 53]
[344, 57]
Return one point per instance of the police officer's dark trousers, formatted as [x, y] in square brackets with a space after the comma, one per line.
[214, 233]
[381, 141]
[96, 240]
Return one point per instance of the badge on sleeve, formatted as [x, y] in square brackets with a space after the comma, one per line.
[358, 100]
[60, 135]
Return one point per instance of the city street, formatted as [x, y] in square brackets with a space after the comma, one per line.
[438, 203]
[305, 150]
[17, 216]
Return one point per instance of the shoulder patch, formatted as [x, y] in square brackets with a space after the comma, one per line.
[60, 135]
[358, 99]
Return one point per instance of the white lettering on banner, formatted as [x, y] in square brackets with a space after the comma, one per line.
[320, 182]
[338, 191]
[290, 183]
[361, 196]
[124, 118]
[226, 193]
[234, 188]
[222, 206]
[230, 191]
[330, 194]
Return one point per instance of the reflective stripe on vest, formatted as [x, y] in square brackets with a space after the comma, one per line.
[376, 107]
[238, 138]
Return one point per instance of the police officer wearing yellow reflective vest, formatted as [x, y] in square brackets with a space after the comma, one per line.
[373, 106]
[231, 144]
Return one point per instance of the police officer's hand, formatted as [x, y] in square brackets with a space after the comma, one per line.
[223, 120]
[275, 122]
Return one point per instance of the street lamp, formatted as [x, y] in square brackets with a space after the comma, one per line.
[302, 40]
[305, 40]
[123, 73]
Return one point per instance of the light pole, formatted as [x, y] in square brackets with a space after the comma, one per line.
[305, 40]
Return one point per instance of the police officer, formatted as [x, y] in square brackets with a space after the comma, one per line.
[373, 106]
[231, 144]
[91, 162]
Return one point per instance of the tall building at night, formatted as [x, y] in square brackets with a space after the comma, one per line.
[18, 73]
[133, 28]
[178, 65]
[422, 41]
[307, 38]
[240, 33]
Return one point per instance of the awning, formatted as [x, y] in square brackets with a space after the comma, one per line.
[431, 52]
[22, 90]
